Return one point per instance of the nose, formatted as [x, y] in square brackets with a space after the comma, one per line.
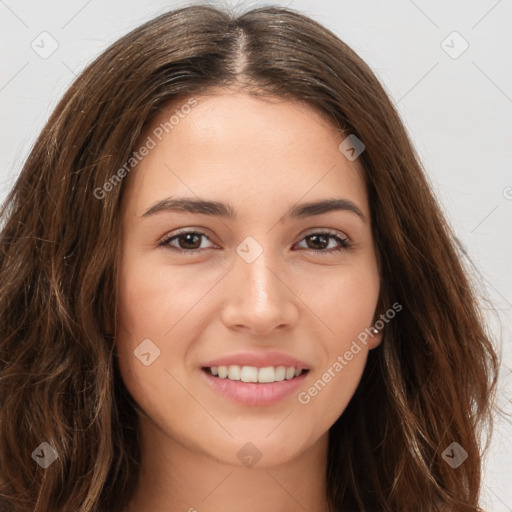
[259, 298]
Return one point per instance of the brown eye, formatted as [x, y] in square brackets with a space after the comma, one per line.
[186, 241]
[189, 241]
[319, 242]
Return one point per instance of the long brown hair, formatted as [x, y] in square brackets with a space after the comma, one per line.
[428, 385]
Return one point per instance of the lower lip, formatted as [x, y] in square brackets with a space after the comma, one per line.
[255, 393]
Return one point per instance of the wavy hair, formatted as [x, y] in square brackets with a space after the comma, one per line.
[430, 383]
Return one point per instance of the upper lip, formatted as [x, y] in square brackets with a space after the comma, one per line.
[258, 359]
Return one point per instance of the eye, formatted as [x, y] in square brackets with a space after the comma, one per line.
[190, 242]
[187, 241]
[321, 240]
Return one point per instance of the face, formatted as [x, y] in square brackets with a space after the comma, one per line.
[257, 282]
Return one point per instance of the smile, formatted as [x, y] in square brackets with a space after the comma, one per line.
[253, 386]
[267, 374]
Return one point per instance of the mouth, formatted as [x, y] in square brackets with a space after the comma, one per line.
[254, 386]
[254, 374]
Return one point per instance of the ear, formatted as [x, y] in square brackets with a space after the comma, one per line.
[378, 326]
[375, 339]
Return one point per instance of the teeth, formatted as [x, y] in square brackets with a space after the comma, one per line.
[234, 372]
[254, 374]
[280, 373]
[266, 374]
[249, 374]
[290, 373]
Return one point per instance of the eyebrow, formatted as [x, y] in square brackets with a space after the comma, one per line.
[218, 209]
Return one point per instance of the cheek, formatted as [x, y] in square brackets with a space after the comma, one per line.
[153, 299]
[347, 306]
[344, 353]
[161, 306]
[345, 302]
[327, 396]
[147, 314]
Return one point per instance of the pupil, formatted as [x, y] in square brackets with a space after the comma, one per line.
[188, 237]
[316, 237]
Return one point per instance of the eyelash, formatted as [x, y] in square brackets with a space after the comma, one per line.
[344, 244]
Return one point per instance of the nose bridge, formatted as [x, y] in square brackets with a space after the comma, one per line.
[257, 297]
[256, 265]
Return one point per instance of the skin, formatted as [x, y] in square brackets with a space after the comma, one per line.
[261, 156]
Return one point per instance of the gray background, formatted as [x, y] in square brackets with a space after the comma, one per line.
[456, 108]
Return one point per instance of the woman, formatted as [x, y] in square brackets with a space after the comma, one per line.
[225, 281]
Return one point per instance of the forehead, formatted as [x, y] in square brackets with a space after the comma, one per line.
[234, 147]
